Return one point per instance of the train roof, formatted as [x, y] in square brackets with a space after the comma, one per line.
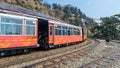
[4, 7]
[63, 24]
[18, 9]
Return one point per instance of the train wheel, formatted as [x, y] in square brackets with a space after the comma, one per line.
[46, 47]
[2, 54]
[67, 44]
[26, 51]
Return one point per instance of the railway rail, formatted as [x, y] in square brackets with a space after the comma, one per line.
[56, 61]
[99, 62]
[106, 61]
[38, 56]
[34, 30]
[95, 55]
[23, 62]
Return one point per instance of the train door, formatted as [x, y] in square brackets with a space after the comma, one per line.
[82, 34]
[51, 35]
[43, 33]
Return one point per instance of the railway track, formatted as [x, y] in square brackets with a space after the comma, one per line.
[57, 60]
[25, 61]
[106, 61]
[95, 55]
[37, 56]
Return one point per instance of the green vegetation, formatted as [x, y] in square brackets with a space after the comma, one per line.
[67, 13]
[29, 5]
[108, 28]
[71, 15]
[74, 16]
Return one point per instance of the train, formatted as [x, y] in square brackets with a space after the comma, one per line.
[21, 31]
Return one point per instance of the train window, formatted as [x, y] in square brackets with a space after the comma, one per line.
[30, 30]
[73, 32]
[11, 26]
[29, 22]
[30, 27]
[61, 30]
[58, 30]
[69, 31]
[11, 20]
[51, 31]
[78, 31]
[6, 29]
[64, 30]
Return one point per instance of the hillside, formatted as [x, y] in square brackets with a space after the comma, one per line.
[67, 13]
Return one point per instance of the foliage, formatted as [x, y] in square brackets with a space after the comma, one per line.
[71, 15]
[29, 5]
[67, 13]
[107, 29]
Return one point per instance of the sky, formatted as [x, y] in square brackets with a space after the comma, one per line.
[93, 8]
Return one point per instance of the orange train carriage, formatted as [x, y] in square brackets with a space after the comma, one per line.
[21, 31]
[54, 33]
[17, 33]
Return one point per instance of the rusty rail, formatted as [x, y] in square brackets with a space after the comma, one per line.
[69, 56]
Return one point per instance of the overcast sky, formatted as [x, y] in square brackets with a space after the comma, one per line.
[93, 8]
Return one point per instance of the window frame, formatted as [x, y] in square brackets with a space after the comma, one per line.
[30, 25]
[12, 24]
[50, 30]
[58, 28]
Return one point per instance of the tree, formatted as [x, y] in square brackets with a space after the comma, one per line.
[108, 28]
